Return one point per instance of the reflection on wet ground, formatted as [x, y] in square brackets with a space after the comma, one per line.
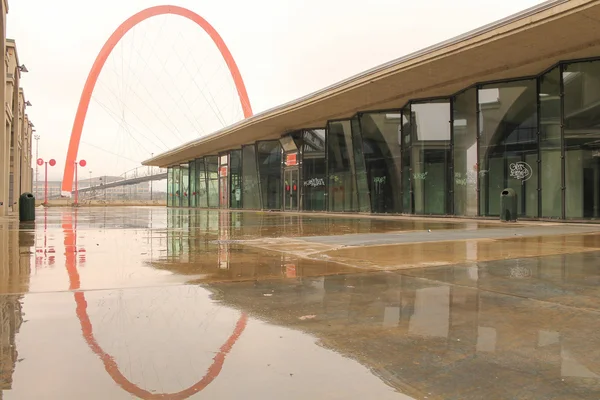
[153, 303]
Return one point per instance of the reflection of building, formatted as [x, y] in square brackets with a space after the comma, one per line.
[203, 243]
[16, 130]
[527, 122]
[140, 191]
[15, 249]
[444, 338]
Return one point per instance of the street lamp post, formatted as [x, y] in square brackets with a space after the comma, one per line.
[37, 145]
[151, 180]
[80, 163]
[52, 163]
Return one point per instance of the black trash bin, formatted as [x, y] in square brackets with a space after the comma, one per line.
[508, 205]
[26, 207]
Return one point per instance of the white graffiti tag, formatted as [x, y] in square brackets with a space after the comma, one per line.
[521, 171]
[315, 182]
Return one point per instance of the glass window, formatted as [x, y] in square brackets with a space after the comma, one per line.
[250, 183]
[212, 174]
[169, 187]
[269, 168]
[382, 150]
[201, 187]
[430, 157]
[407, 194]
[362, 184]
[464, 133]
[340, 164]
[184, 185]
[581, 83]
[176, 192]
[314, 170]
[224, 181]
[550, 145]
[508, 148]
[235, 178]
[193, 180]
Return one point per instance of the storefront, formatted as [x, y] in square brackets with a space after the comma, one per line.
[446, 156]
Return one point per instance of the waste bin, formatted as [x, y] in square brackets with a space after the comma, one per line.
[26, 207]
[508, 205]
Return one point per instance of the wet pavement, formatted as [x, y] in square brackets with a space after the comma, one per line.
[150, 303]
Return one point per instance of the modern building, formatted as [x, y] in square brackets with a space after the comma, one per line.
[16, 175]
[514, 104]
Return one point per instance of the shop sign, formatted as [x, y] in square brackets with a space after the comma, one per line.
[223, 171]
[291, 159]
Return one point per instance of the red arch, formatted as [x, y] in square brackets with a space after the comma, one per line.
[110, 365]
[113, 40]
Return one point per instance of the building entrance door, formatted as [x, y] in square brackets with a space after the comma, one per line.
[290, 189]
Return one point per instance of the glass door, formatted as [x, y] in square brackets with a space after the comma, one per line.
[290, 189]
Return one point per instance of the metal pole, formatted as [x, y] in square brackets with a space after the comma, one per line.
[76, 184]
[46, 184]
[151, 180]
[37, 145]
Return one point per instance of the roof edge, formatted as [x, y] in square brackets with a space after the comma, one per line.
[403, 59]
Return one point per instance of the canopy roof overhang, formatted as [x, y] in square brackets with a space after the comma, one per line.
[521, 45]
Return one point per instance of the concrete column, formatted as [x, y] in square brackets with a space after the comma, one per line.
[4, 155]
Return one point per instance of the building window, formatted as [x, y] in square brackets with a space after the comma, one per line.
[212, 172]
[269, 167]
[464, 136]
[430, 157]
[314, 170]
[169, 187]
[550, 145]
[201, 187]
[382, 153]
[193, 179]
[581, 83]
[235, 179]
[250, 184]
[176, 186]
[184, 184]
[341, 181]
[508, 146]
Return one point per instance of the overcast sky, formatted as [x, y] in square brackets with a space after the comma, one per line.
[166, 84]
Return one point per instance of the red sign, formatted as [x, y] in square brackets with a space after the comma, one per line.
[40, 161]
[82, 163]
[223, 171]
[52, 162]
[291, 159]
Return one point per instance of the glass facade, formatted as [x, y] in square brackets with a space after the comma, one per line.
[269, 167]
[430, 157]
[235, 179]
[201, 187]
[212, 180]
[581, 83]
[251, 199]
[464, 152]
[314, 170]
[341, 180]
[452, 156]
[508, 146]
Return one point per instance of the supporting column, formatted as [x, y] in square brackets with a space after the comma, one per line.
[4, 149]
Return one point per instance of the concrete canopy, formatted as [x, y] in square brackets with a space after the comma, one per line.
[521, 45]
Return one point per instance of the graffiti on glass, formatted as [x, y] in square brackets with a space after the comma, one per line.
[521, 171]
[315, 182]
[420, 176]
